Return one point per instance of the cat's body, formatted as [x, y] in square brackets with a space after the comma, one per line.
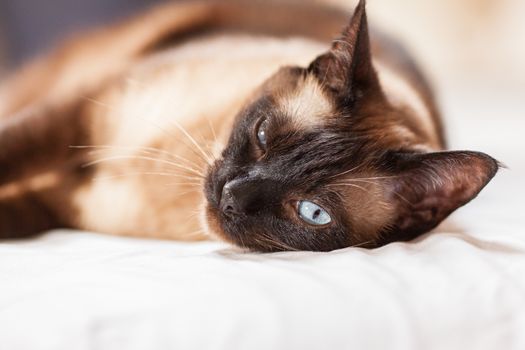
[153, 102]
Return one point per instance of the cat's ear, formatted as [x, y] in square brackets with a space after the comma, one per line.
[425, 188]
[347, 69]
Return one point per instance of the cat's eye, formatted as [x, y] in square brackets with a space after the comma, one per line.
[261, 133]
[313, 214]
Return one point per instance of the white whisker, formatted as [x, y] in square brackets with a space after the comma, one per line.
[192, 140]
[146, 156]
[350, 185]
[154, 151]
[361, 244]
[212, 130]
[167, 132]
[347, 171]
[107, 159]
[140, 173]
[180, 128]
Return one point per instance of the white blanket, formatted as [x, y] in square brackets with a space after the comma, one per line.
[461, 287]
[458, 288]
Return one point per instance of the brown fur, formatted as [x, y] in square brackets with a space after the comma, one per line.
[165, 104]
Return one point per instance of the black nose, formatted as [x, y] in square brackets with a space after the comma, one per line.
[228, 204]
[244, 196]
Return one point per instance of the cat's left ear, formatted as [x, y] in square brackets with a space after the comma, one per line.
[347, 69]
[425, 188]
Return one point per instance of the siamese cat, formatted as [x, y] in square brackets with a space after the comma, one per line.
[273, 125]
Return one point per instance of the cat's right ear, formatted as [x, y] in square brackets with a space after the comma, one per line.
[346, 69]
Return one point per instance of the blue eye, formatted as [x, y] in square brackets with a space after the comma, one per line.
[261, 133]
[313, 214]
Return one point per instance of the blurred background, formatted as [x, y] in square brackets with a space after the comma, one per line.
[31, 26]
[473, 50]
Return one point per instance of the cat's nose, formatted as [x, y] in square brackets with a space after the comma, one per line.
[240, 197]
[228, 202]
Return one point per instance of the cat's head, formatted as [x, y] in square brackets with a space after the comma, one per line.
[320, 160]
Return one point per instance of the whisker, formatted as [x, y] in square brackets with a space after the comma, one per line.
[97, 102]
[371, 182]
[108, 159]
[196, 233]
[347, 171]
[153, 150]
[361, 244]
[205, 143]
[193, 214]
[184, 184]
[275, 243]
[180, 194]
[364, 179]
[212, 130]
[177, 125]
[181, 163]
[350, 185]
[146, 156]
[110, 177]
[192, 140]
[338, 195]
[374, 178]
[403, 198]
[167, 132]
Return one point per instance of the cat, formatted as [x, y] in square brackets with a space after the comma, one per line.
[272, 125]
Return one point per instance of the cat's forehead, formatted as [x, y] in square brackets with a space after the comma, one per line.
[299, 97]
[306, 105]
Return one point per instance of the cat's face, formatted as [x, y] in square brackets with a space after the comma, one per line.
[312, 162]
[281, 182]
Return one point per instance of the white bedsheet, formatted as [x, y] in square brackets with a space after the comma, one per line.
[450, 289]
[462, 287]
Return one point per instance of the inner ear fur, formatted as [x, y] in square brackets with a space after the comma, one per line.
[426, 188]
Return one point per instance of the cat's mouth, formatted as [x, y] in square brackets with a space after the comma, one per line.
[213, 192]
[215, 217]
[223, 215]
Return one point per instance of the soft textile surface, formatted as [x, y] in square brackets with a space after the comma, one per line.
[461, 287]
[450, 289]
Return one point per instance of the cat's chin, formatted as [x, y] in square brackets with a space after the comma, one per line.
[214, 226]
[212, 222]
